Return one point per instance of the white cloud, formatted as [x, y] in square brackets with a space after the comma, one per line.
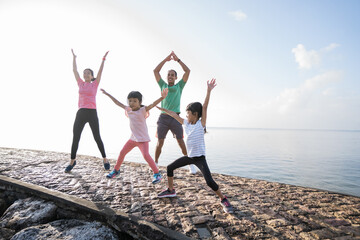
[309, 59]
[322, 80]
[305, 59]
[296, 98]
[314, 104]
[238, 15]
[331, 47]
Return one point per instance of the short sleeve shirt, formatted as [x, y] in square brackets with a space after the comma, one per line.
[87, 93]
[139, 130]
[172, 100]
[195, 142]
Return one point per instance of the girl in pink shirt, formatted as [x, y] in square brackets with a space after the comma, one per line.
[137, 114]
[87, 111]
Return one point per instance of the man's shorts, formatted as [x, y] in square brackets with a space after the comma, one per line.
[166, 123]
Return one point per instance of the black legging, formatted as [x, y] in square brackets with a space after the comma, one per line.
[83, 116]
[200, 162]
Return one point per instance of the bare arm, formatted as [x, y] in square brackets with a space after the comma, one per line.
[172, 114]
[76, 74]
[210, 87]
[98, 77]
[163, 95]
[113, 99]
[158, 68]
[184, 67]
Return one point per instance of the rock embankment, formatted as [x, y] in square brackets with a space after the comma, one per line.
[263, 210]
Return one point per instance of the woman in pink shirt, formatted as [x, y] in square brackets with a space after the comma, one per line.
[137, 114]
[87, 111]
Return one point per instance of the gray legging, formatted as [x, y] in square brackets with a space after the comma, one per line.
[200, 162]
[83, 116]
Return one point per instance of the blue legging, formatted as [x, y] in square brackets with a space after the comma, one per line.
[200, 162]
[83, 116]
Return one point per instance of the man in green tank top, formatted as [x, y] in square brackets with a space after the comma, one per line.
[171, 102]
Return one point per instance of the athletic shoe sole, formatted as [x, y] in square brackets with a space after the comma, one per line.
[113, 176]
[116, 176]
[169, 195]
[156, 181]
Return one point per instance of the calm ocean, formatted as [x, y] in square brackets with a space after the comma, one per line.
[328, 160]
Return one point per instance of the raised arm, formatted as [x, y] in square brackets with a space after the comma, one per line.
[172, 114]
[184, 67]
[210, 87]
[76, 74]
[158, 67]
[164, 93]
[98, 77]
[113, 99]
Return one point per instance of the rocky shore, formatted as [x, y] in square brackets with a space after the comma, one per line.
[263, 210]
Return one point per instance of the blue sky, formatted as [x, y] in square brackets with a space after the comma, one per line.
[279, 64]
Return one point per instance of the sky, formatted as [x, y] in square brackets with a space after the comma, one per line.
[278, 64]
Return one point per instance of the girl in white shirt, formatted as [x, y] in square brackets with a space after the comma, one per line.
[194, 126]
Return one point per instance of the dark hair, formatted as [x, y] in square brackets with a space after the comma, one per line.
[196, 107]
[135, 94]
[173, 71]
[92, 73]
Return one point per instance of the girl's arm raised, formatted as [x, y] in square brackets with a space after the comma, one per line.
[164, 93]
[210, 87]
[172, 114]
[98, 77]
[113, 99]
[76, 74]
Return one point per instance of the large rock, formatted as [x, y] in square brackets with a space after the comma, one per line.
[28, 212]
[67, 229]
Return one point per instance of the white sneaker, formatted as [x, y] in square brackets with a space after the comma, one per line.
[192, 169]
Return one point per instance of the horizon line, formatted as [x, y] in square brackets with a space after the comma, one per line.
[292, 129]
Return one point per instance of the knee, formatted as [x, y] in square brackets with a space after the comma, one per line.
[76, 138]
[160, 143]
[97, 137]
[169, 171]
[212, 184]
[122, 153]
[181, 141]
[147, 156]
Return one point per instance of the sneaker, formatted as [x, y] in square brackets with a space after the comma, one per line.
[70, 167]
[107, 165]
[167, 193]
[192, 169]
[113, 174]
[156, 178]
[227, 206]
